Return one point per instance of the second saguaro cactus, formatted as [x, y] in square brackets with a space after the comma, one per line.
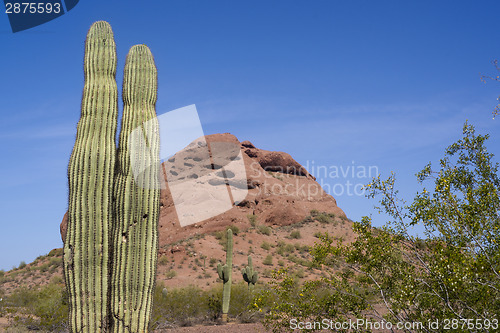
[137, 195]
[225, 274]
[249, 275]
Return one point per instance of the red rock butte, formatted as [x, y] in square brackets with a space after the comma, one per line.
[279, 191]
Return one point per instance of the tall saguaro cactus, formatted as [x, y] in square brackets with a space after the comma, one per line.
[90, 178]
[225, 273]
[249, 275]
[137, 192]
[111, 244]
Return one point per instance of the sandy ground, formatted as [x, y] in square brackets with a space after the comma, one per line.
[3, 323]
[229, 328]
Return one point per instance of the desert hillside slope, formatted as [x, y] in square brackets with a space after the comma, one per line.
[279, 216]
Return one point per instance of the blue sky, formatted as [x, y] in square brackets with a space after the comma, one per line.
[341, 83]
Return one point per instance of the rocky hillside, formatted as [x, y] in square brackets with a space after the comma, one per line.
[278, 190]
[275, 207]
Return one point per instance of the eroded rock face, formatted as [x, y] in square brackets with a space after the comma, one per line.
[217, 181]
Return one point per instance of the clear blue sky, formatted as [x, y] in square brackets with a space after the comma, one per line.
[341, 83]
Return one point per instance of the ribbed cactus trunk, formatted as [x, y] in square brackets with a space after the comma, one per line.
[225, 274]
[137, 195]
[90, 177]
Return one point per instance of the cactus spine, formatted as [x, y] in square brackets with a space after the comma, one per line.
[111, 244]
[249, 275]
[90, 179]
[135, 233]
[225, 275]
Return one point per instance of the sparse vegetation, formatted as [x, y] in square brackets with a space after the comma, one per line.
[268, 260]
[265, 246]
[234, 229]
[252, 219]
[170, 274]
[386, 272]
[44, 308]
[191, 305]
[162, 261]
[265, 230]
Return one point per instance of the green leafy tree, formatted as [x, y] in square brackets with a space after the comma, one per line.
[447, 281]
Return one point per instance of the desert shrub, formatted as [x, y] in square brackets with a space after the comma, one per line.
[450, 275]
[197, 262]
[235, 229]
[214, 303]
[162, 260]
[22, 265]
[55, 261]
[265, 245]
[325, 218]
[252, 219]
[265, 230]
[289, 248]
[42, 309]
[299, 247]
[295, 234]
[213, 261]
[182, 307]
[299, 273]
[45, 267]
[286, 299]
[241, 299]
[268, 260]
[191, 305]
[284, 249]
[170, 274]
[219, 235]
[57, 280]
